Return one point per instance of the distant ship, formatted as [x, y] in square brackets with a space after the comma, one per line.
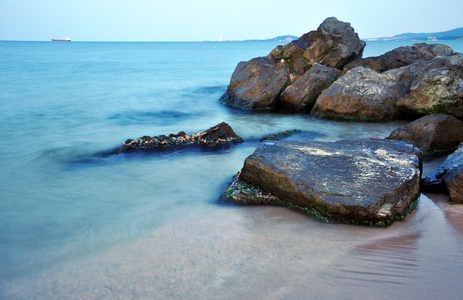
[61, 40]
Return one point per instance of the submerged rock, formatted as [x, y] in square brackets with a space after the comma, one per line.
[448, 178]
[432, 133]
[361, 94]
[357, 181]
[402, 56]
[215, 137]
[280, 135]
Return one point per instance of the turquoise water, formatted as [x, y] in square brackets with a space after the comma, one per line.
[62, 206]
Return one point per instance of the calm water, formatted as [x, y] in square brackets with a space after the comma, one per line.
[75, 225]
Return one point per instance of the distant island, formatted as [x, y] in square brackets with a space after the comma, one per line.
[281, 38]
[454, 34]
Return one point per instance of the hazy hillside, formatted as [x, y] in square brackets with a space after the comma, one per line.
[453, 34]
[281, 38]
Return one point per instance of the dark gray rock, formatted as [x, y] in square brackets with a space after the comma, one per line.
[459, 91]
[280, 135]
[363, 95]
[448, 178]
[217, 136]
[432, 133]
[302, 94]
[257, 84]
[357, 181]
[434, 87]
[335, 45]
[402, 56]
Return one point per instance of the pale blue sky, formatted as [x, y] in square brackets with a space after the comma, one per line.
[198, 20]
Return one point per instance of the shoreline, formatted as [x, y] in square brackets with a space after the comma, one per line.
[231, 251]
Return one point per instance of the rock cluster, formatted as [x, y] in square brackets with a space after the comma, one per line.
[322, 73]
[363, 181]
[215, 137]
[258, 83]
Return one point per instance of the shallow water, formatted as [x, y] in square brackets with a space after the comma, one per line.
[77, 225]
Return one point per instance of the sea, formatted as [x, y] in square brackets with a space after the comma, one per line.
[75, 224]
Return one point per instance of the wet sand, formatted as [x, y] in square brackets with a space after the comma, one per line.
[267, 253]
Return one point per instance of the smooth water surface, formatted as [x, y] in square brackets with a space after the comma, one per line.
[74, 224]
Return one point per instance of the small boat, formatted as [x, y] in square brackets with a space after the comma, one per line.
[61, 40]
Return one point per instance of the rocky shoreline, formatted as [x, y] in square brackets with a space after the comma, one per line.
[365, 181]
[323, 73]
[370, 182]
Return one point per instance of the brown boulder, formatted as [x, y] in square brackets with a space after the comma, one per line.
[293, 53]
[361, 94]
[302, 94]
[432, 133]
[257, 84]
[402, 56]
[434, 87]
[354, 181]
[335, 45]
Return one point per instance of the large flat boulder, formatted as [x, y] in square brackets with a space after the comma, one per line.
[432, 133]
[257, 84]
[362, 181]
[448, 178]
[363, 95]
[302, 94]
[435, 86]
[402, 56]
[335, 45]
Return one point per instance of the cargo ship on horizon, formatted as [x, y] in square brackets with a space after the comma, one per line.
[61, 40]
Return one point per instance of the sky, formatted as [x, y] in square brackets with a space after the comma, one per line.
[199, 20]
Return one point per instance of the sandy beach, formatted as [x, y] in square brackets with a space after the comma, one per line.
[267, 253]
